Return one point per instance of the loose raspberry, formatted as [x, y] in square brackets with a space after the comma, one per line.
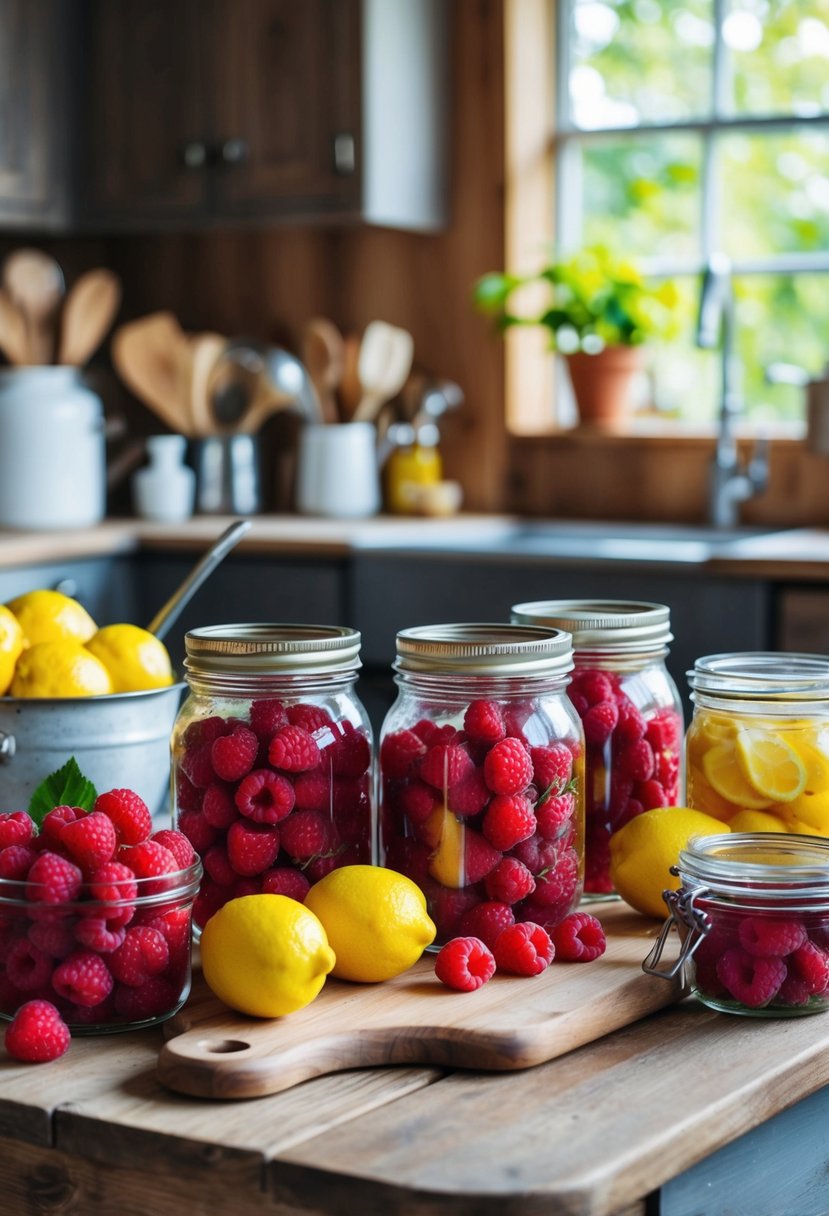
[252, 847]
[552, 767]
[579, 938]
[218, 806]
[750, 980]
[508, 820]
[285, 880]
[552, 813]
[631, 724]
[445, 765]
[770, 937]
[465, 964]
[149, 860]
[96, 933]
[15, 861]
[37, 1033]
[399, 752]
[178, 844]
[53, 880]
[508, 768]
[267, 717]
[486, 921]
[484, 722]
[129, 813]
[310, 718]
[232, 756]
[509, 882]
[143, 954]
[524, 949]
[15, 828]
[27, 967]
[265, 797]
[293, 750]
[90, 841]
[83, 978]
[198, 831]
[599, 723]
[306, 834]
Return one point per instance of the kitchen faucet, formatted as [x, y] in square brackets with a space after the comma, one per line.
[731, 482]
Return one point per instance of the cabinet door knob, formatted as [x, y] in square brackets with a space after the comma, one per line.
[194, 154]
[234, 152]
[345, 155]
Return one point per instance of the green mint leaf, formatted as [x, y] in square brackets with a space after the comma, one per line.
[65, 787]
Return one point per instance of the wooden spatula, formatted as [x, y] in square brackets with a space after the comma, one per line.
[34, 281]
[207, 350]
[88, 313]
[385, 361]
[154, 359]
[14, 340]
[323, 353]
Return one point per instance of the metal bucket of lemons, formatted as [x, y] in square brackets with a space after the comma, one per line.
[106, 697]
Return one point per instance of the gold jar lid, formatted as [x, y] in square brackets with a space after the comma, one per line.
[618, 625]
[250, 649]
[485, 649]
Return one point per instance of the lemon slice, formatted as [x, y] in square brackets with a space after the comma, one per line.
[772, 767]
[726, 777]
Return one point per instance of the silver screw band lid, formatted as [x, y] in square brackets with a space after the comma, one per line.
[596, 624]
[485, 649]
[274, 649]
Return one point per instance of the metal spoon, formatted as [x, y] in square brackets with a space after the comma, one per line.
[220, 548]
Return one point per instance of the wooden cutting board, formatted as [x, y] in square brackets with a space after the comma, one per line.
[509, 1023]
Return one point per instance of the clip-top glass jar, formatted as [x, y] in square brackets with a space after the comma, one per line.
[272, 754]
[481, 776]
[752, 913]
[758, 744]
[630, 710]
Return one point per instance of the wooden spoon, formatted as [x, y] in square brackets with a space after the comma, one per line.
[154, 359]
[88, 313]
[350, 390]
[207, 350]
[385, 362]
[14, 340]
[34, 280]
[323, 353]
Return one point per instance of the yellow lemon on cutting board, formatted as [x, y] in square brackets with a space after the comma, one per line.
[59, 669]
[134, 658]
[266, 955]
[375, 919]
[11, 645]
[51, 616]
[642, 852]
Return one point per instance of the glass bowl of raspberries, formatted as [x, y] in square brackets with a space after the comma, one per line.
[95, 914]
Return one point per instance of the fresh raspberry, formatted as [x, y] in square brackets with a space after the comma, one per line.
[664, 730]
[470, 795]
[16, 861]
[149, 860]
[558, 886]
[217, 865]
[579, 938]
[285, 880]
[112, 883]
[537, 854]
[293, 750]
[198, 831]
[594, 686]
[53, 880]
[651, 794]
[484, 722]
[265, 797]
[465, 964]
[310, 718]
[479, 858]
[90, 841]
[178, 844]
[509, 819]
[508, 768]
[630, 810]
[143, 954]
[447, 906]
[306, 834]
[445, 765]
[509, 882]
[232, 755]
[37, 1033]
[129, 813]
[416, 801]
[83, 978]
[631, 725]
[552, 813]
[16, 827]
[524, 949]
[793, 991]
[552, 767]
[666, 772]
[188, 797]
[54, 823]
[432, 734]
[810, 964]
[267, 717]
[218, 805]
[350, 754]
[599, 723]
[96, 933]
[209, 899]
[312, 791]
[636, 760]
[486, 921]
[205, 730]
[399, 752]
[770, 937]
[156, 997]
[197, 765]
[174, 926]
[27, 967]
[252, 847]
[53, 937]
[750, 980]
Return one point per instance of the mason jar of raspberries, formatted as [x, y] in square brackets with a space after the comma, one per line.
[631, 712]
[758, 744]
[752, 913]
[272, 759]
[481, 776]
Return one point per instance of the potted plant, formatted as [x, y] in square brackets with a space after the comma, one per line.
[599, 312]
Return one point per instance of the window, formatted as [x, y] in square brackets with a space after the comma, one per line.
[691, 127]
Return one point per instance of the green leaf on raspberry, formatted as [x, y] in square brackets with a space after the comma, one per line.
[67, 786]
[555, 789]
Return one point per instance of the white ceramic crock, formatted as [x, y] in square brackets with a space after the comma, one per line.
[52, 450]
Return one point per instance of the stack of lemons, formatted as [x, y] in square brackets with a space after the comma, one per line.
[51, 647]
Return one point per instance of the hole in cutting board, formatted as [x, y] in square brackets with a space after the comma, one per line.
[223, 1046]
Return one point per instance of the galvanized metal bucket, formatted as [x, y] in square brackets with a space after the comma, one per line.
[120, 741]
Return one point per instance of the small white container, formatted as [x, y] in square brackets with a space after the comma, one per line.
[165, 491]
[337, 473]
[52, 450]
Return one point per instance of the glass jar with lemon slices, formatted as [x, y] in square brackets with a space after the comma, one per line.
[757, 748]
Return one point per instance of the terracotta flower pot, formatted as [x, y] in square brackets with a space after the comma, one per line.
[602, 384]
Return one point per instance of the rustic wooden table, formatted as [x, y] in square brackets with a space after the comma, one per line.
[685, 1112]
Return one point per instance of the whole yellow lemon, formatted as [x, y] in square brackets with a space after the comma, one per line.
[51, 616]
[642, 852]
[134, 658]
[375, 919]
[59, 669]
[265, 955]
[11, 645]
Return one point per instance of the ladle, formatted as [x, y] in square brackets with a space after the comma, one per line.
[220, 548]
